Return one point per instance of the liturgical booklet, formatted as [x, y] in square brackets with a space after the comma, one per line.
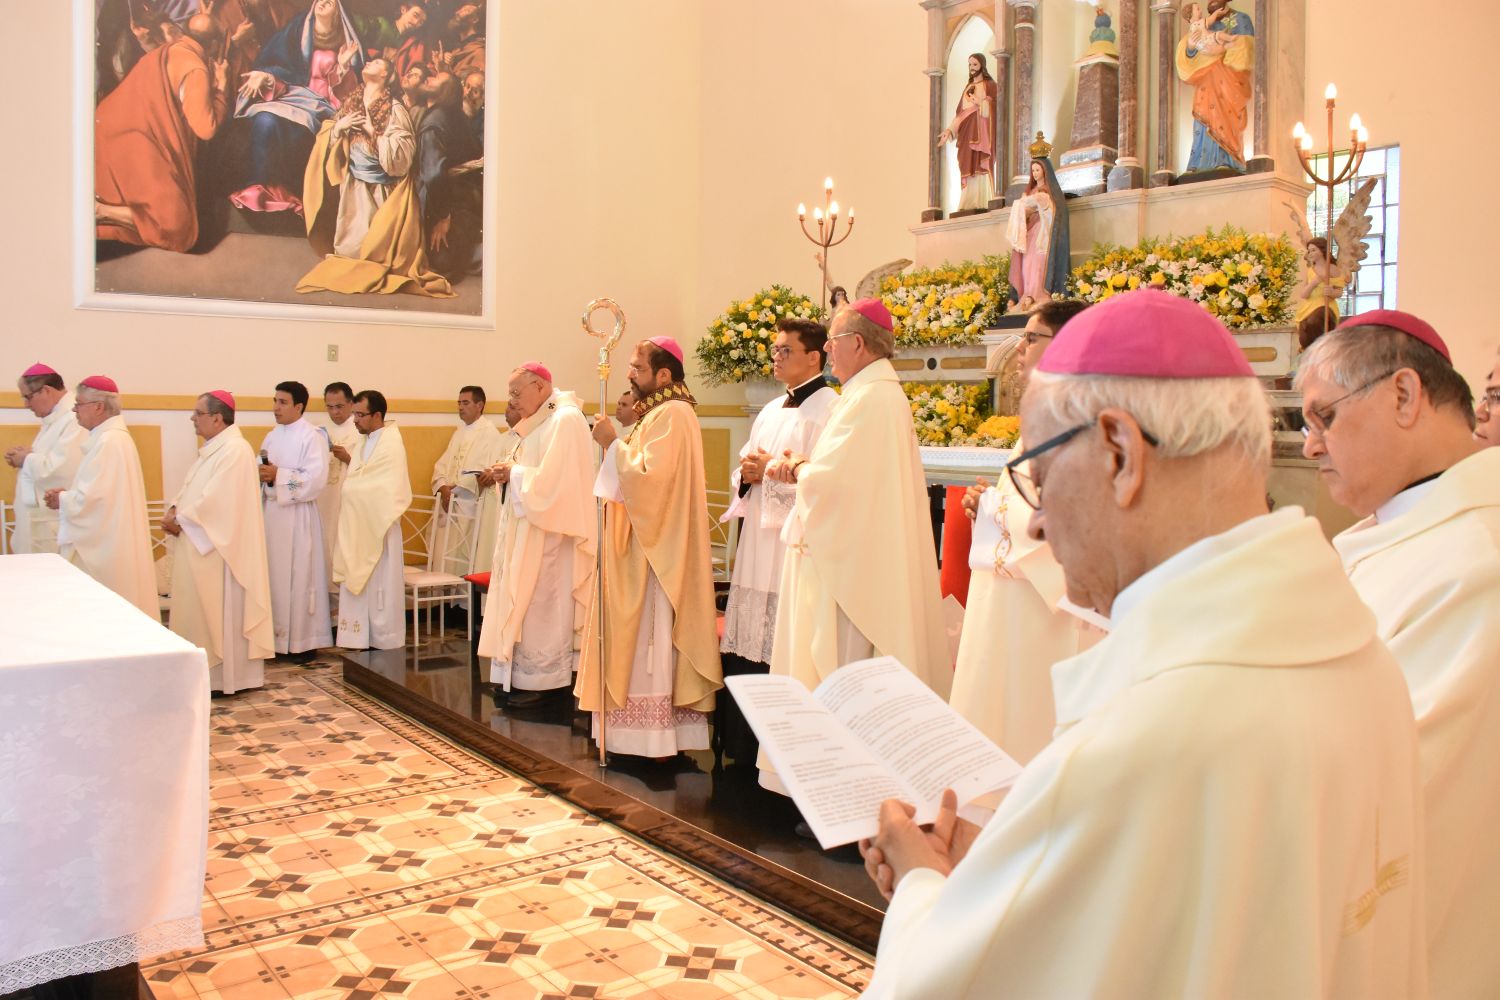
[872, 731]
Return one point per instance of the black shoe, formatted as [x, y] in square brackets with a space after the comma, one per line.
[500, 695]
[534, 699]
[304, 658]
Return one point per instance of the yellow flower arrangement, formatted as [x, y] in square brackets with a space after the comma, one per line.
[947, 305]
[954, 414]
[737, 346]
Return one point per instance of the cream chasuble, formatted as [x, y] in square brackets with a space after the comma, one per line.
[543, 580]
[472, 447]
[1230, 807]
[1432, 576]
[294, 536]
[102, 524]
[376, 493]
[56, 452]
[219, 572]
[346, 436]
[658, 550]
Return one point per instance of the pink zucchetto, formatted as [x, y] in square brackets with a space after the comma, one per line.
[224, 396]
[1145, 334]
[1412, 326]
[37, 370]
[668, 344]
[103, 383]
[538, 369]
[875, 311]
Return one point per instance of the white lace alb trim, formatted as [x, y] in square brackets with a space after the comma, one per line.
[171, 935]
[749, 624]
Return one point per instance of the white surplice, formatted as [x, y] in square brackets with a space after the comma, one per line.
[471, 448]
[1230, 807]
[56, 453]
[1432, 576]
[294, 536]
[221, 589]
[346, 436]
[369, 561]
[102, 524]
[543, 556]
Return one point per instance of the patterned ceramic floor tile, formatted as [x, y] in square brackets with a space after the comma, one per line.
[354, 855]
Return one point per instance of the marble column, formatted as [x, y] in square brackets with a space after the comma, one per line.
[1166, 90]
[936, 42]
[1261, 161]
[1128, 171]
[1023, 116]
[1001, 52]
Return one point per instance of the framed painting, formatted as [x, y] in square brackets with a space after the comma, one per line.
[295, 159]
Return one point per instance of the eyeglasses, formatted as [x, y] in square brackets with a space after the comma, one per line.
[1489, 400]
[27, 397]
[1036, 337]
[1029, 489]
[77, 404]
[1322, 418]
[782, 353]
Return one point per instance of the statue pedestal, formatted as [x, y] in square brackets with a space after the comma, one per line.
[1084, 168]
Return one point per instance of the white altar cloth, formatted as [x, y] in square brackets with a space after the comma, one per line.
[103, 778]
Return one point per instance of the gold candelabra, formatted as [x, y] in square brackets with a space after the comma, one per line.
[827, 220]
[1359, 138]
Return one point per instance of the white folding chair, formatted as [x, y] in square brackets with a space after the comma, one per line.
[7, 526]
[722, 538]
[437, 579]
[161, 555]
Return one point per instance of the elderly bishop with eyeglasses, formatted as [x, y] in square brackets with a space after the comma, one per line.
[1230, 805]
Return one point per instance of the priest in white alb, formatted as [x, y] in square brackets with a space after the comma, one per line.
[543, 557]
[474, 447]
[49, 462]
[221, 588]
[860, 577]
[102, 524]
[338, 400]
[791, 422]
[661, 667]
[367, 565]
[1231, 805]
[1390, 424]
[293, 471]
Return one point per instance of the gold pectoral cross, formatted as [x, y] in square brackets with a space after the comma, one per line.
[1388, 876]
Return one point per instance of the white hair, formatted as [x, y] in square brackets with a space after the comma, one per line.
[88, 394]
[1187, 416]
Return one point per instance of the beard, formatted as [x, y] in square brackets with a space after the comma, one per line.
[640, 392]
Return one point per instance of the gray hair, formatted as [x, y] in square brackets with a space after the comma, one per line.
[878, 340]
[1187, 416]
[1355, 357]
[215, 405]
[111, 400]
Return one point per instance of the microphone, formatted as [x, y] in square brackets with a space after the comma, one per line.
[265, 459]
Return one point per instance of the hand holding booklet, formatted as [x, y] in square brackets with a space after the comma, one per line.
[872, 731]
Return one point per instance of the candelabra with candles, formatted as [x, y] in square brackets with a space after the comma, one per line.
[1359, 138]
[827, 219]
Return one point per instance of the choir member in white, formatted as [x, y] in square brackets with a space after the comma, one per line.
[293, 471]
[102, 524]
[791, 423]
[338, 400]
[221, 588]
[1390, 423]
[543, 556]
[368, 562]
[1230, 807]
[843, 597]
[49, 462]
[455, 529]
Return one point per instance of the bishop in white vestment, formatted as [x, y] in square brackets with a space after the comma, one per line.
[474, 446]
[294, 469]
[368, 563]
[221, 588]
[1230, 807]
[1426, 559]
[102, 524]
[543, 557]
[49, 462]
[343, 439]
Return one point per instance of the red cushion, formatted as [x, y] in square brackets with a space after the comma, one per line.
[480, 580]
[958, 532]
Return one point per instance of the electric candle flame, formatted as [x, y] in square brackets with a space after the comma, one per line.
[828, 184]
[1307, 143]
[851, 213]
[1364, 135]
[1331, 93]
[833, 209]
[1354, 122]
[801, 210]
[818, 214]
[1298, 131]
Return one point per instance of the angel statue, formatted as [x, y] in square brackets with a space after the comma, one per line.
[1330, 269]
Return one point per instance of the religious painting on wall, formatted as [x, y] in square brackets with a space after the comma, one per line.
[293, 158]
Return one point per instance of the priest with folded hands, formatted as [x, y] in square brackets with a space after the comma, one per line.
[367, 564]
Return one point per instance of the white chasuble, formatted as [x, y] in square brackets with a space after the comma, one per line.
[221, 586]
[368, 562]
[294, 536]
[102, 527]
[1230, 807]
[471, 448]
[56, 453]
[750, 614]
[543, 557]
[346, 436]
[1432, 576]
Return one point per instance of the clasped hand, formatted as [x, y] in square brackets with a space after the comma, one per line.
[901, 846]
[972, 495]
[785, 468]
[753, 467]
[169, 522]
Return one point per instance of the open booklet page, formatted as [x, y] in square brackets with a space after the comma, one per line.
[872, 731]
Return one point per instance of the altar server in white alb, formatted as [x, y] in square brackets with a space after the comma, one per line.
[221, 589]
[1231, 806]
[343, 438]
[543, 557]
[49, 462]
[102, 524]
[1013, 631]
[474, 446]
[293, 471]
[1390, 422]
[790, 423]
[367, 564]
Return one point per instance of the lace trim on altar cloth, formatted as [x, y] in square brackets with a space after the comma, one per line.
[749, 624]
[170, 935]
